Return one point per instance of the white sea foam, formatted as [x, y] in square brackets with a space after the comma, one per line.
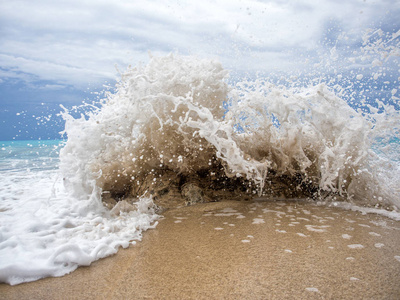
[57, 233]
[392, 214]
[355, 246]
[44, 231]
[374, 234]
[258, 221]
[301, 234]
[346, 236]
[317, 228]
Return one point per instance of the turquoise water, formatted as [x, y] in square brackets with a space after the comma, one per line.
[30, 155]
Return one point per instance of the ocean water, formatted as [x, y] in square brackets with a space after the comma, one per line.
[331, 134]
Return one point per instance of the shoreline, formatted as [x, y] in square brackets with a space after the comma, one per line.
[245, 250]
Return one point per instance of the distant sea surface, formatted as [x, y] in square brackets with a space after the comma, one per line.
[29, 156]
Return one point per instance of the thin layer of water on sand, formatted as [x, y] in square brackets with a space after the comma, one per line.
[246, 250]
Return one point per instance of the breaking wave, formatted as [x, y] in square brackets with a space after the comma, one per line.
[180, 120]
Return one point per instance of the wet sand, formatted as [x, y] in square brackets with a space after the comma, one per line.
[243, 250]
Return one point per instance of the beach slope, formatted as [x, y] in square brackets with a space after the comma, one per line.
[243, 250]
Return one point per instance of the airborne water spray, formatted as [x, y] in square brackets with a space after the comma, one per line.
[166, 126]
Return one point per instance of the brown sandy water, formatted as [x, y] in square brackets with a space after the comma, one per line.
[243, 250]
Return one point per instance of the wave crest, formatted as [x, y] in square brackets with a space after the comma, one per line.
[177, 121]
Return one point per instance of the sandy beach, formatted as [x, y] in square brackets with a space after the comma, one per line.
[243, 250]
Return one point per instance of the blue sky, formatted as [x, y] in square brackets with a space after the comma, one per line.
[60, 52]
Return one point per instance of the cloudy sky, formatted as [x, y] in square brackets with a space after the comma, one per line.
[54, 51]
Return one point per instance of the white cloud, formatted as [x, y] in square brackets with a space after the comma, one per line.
[78, 42]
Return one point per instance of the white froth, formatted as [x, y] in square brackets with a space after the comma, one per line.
[374, 234]
[364, 225]
[55, 232]
[355, 246]
[258, 221]
[393, 214]
[301, 234]
[226, 214]
[316, 228]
